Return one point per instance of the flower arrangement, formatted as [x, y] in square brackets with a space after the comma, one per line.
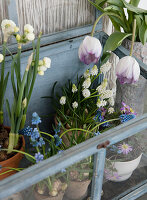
[22, 87]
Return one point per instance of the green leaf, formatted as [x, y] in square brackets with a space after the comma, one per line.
[145, 19]
[113, 8]
[100, 1]
[115, 24]
[138, 20]
[116, 3]
[143, 33]
[105, 57]
[115, 40]
[133, 8]
[96, 6]
[134, 2]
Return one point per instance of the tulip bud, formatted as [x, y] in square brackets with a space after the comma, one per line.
[127, 70]
[90, 50]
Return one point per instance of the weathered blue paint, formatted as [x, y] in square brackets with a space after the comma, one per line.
[98, 171]
[54, 164]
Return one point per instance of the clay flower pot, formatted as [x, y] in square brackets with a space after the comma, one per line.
[44, 197]
[123, 170]
[12, 162]
[77, 190]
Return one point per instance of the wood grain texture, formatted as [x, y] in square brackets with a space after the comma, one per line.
[50, 16]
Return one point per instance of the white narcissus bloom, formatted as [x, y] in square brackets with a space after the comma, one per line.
[87, 74]
[90, 50]
[1, 58]
[42, 68]
[18, 37]
[29, 62]
[86, 83]
[28, 28]
[111, 110]
[74, 88]
[30, 36]
[63, 100]
[75, 105]
[111, 101]
[8, 28]
[127, 70]
[86, 93]
[47, 62]
[105, 68]
[94, 70]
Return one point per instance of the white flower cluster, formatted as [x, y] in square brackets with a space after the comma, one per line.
[94, 71]
[87, 74]
[74, 88]
[63, 100]
[1, 58]
[44, 65]
[107, 94]
[101, 103]
[111, 101]
[75, 104]
[28, 31]
[86, 93]
[111, 110]
[8, 28]
[105, 68]
[86, 83]
[101, 88]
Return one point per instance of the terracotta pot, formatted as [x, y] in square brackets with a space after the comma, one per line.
[77, 190]
[133, 94]
[13, 161]
[44, 197]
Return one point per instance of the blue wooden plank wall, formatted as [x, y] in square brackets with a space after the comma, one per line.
[65, 65]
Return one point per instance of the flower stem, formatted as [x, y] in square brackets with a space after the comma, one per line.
[95, 23]
[133, 37]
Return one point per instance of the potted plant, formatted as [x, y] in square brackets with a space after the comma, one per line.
[22, 90]
[79, 175]
[123, 24]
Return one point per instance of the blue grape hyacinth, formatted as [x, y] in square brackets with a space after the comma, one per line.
[125, 117]
[35, 119]
[39, 157]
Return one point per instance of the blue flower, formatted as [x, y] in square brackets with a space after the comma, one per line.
[57, 129]
[125, 117]
[39, 157]
[60, 151]
[41, 142]
[105, 124]
[58, 140]
[26, 131]
[35, 134]
[35, 119]
[96, 134]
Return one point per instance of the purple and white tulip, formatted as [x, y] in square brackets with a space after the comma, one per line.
[127, 70]
[90, 50]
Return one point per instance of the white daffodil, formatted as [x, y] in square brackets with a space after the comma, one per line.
[74, 88]
[18, 37]
[75, 105]
[28, 28]
[86, 93]
[30, 36]
[111, 110]
[63, 100]
[47, 62]
[86, 83]
[94, 71]
[42, 68]
[8, 28]
[87, 74]
[1, 58]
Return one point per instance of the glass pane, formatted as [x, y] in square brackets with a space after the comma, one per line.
[126, 165]
[49, 16]
[71, 183]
